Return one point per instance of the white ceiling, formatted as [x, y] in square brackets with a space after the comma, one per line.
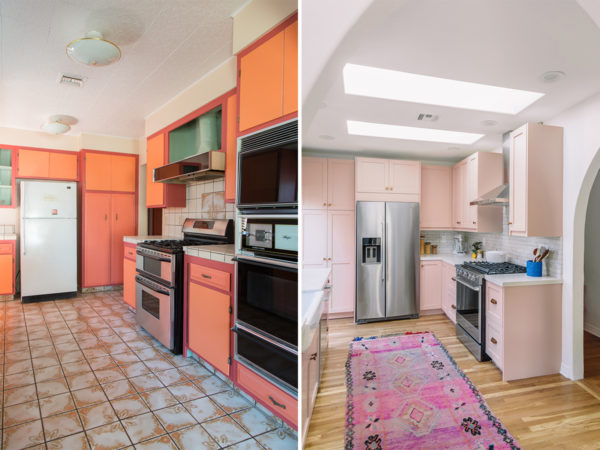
[508, 43]
[166, 46]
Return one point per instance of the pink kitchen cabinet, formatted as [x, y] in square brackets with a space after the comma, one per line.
[449, 290]
[431, 285]
[314, 227]
[341, 237]
[340, 184]
[536, 167]
[379, 179]
[473, 177]
[314, 183]
[436, 197]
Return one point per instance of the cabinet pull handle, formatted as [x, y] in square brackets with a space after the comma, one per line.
[280, 405]
[329, 204]
[453, 278]
[206, 276]
[474, 222]
[105, 217]
[328, 259]
[117, 216]
[510, 223]
[313, 356]
[391, 188]
[324, 204]
[493, 301]
[494, 341]
[453, 306]
[324, 259]
[422, 265]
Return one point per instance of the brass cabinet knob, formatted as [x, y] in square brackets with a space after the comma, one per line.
[392, 188]
[493, 301]
[324, 259]
[324, 204]
[474, 222]
[329, 259]
[453, 306]
[510, 223]
[422, 265]
[330, 204]
[494, 341]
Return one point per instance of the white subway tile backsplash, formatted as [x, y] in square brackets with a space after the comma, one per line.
[204, 199]
[518, 249]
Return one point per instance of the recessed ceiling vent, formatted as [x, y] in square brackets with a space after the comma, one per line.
[428, 117]
[71, 80]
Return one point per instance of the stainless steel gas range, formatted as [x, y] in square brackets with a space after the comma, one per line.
[470, 302]
[159, 278]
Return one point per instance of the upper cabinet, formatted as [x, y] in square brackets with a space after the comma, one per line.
[327, 184]
[7, 178]
[387, 180]
[268, 78]
[474, 176]
[536, 174]
[160, 195]
[230, 148]
[436, 197]
[47, 164]
[110, 172]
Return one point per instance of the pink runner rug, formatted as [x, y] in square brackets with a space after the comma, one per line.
[406, 391]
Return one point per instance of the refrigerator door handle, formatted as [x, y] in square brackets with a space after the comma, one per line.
[383, 251]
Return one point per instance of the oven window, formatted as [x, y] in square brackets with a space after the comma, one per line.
[268, 299]
[269, 176]
[272, 359]
[151, 304]
[467, 305]
[152, 266]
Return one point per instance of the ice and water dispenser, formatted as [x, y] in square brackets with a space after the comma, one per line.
[371, 250]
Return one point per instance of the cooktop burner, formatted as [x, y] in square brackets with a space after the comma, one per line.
[176, 245]
[495, 268]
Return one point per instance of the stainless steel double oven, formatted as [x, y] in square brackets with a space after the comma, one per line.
[266, 313]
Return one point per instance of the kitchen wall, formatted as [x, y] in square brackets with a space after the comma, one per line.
[518, 249]
[204, 200]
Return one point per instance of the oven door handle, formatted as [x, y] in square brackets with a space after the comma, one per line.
[237, 328]
[156, 258]
[473, 288]
[149, 285]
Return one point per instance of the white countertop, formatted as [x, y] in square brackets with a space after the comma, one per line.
[506, 280]
[138, 239]
[314, 279]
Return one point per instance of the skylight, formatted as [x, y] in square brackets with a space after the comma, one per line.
[409, 87]
[411, 133]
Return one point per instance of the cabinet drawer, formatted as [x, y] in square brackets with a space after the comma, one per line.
[211, 277]
[494, 301]
[494, 343]
[6, 248]
[283, 404]
[129, 251]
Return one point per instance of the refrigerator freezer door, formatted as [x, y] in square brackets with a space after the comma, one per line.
[48, 256]
[370, 266]
[48, 199]
[402, 259]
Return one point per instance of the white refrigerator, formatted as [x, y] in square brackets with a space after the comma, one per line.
[48, 238]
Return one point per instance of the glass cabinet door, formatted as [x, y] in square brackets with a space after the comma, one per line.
[6, 185]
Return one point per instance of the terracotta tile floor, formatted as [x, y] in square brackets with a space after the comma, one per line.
[80, 373]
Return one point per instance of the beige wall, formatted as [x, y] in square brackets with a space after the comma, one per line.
[30, 138]
[257, 18]
[212, 85]
[109, 143]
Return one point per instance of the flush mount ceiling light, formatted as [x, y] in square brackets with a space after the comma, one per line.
[55, 127]
[552, 76]
[411, 133]
[93, 50]
[409, 87]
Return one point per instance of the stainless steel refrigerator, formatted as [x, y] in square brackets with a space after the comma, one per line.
[48, 239]
[387, 261]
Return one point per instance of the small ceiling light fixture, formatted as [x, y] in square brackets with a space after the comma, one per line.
[552, 76]
[410, 87]
[411, 133]
[55, 127]
[93, 50]
[326, 137]
[489, 123]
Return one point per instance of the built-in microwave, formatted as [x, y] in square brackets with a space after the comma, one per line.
[270, 236]
[268, 168]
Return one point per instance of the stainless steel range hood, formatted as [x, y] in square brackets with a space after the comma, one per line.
[500, 194]
[205, 166]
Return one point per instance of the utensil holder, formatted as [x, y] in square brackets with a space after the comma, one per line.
[534, 268]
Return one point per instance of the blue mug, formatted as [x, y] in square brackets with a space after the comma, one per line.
[534, 268]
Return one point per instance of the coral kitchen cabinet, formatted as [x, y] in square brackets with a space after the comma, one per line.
[536, 167]
[209, 308]
[47, 164]
[268, 78]
[7, 267]
[160, 195]
[129, 275]
[109, 212]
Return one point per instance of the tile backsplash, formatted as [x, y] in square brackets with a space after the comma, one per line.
[518, 249]
[204, 200]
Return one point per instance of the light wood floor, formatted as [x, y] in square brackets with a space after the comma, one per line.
[542, 413]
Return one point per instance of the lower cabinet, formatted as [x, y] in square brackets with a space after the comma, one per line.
[310, 380]
[431, 285]
[449, 290]
[129, 275]
[209, 307]
[7, 267]
[274, 399]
